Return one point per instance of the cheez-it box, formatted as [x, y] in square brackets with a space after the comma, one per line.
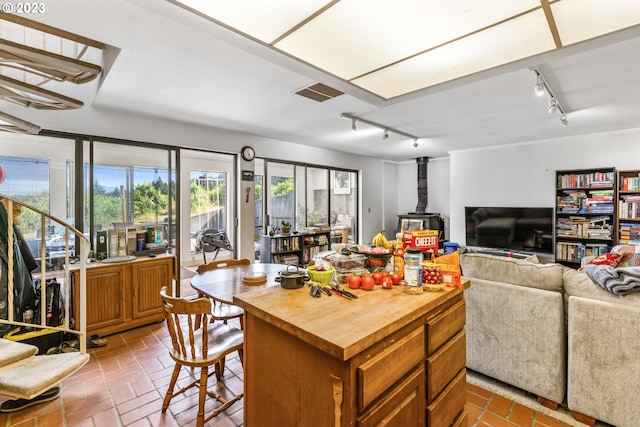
[425, 240]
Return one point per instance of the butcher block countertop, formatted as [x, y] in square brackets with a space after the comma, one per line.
[339, 326]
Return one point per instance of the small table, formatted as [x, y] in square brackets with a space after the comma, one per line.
[221, 284]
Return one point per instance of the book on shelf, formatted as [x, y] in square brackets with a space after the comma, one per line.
[286, 258]
[586, 180]
[630, 183]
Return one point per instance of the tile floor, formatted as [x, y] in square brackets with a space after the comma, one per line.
[125, 381]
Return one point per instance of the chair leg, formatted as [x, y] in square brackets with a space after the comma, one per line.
[204, 376]
[172, 384]
[220, 369]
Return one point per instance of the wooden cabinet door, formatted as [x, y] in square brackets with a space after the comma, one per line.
[147, 279]
[105, 297]
[401, 407]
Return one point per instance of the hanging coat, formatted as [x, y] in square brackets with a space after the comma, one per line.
[23, 264]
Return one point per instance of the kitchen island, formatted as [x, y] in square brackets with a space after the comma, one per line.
[386, 356]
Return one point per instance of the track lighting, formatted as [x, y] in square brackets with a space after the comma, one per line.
[415, 143]
[542, 87]
[563, 120]
[385, 129]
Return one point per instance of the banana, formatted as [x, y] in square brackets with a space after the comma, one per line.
[380, 240]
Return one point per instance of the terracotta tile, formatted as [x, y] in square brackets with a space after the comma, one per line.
[478, 391]
[499, 405]
[473, 413]
[548, 421]
[493, 420]
[107, 418]
[137, 402]
[142, 411]
[521, 415]
[476, 399]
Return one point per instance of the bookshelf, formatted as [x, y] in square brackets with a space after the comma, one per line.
[628, 224]
[294, 248]
[585, 217]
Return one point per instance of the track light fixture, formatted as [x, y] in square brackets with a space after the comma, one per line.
[384, 128]
[542, 87]
[415, 143]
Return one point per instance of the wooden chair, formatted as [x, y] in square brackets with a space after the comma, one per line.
[224, 312]
[196, 342]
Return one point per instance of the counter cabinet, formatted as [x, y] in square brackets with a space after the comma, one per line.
[414, 375]
[125, 295]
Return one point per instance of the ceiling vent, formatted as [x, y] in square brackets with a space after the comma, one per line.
[319, 92]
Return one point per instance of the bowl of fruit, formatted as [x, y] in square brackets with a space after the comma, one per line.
[320, 273]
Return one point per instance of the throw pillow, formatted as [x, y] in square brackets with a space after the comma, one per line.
[611, 258]
[630, 255]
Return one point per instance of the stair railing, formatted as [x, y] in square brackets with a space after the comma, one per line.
[78, 327]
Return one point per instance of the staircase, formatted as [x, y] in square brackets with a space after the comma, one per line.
[25, 374]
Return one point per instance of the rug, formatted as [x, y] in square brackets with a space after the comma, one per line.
[525, 399]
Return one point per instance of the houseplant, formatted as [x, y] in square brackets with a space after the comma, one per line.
[285, 227]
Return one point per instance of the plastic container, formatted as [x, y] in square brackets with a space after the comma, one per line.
[349, 262]
[342, 274]
[450, 247]
[413, 270]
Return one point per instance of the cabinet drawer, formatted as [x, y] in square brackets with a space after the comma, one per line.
[445, 364]
[444, 325]
[462, 420]
[385, 368]
[401, 407]
[444, 410]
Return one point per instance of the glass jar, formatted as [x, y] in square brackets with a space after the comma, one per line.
[413, 270]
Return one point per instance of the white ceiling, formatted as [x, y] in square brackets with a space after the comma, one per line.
[173, 64]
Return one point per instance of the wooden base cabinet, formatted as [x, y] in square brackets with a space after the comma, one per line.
[125, 295]
[411, 376]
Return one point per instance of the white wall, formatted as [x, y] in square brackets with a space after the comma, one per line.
[524, 174]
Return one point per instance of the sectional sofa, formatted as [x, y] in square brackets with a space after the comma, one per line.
[550, 330]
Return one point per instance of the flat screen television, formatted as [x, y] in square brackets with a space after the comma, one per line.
[515, 229]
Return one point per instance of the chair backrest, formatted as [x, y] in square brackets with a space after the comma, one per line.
[222, 264]
[188, 323]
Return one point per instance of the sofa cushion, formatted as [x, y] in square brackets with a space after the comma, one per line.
[579, 284]
[515, 271]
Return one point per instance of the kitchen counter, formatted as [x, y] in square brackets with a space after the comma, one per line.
[300, 351]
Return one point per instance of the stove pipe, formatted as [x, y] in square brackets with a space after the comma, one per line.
[422, 162]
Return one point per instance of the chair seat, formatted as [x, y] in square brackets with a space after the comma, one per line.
[226, 311]
[223, 339]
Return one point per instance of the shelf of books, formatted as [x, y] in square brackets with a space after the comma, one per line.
[297, 248]
[628, 207]
[585, 213]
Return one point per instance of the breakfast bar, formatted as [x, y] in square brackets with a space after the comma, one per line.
[386, 356]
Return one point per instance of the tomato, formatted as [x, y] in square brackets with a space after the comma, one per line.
[354, 281]
[396, 278]
[368, 283]
[387, 283]
[377, 277]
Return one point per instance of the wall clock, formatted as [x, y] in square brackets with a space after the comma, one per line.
[248, 153]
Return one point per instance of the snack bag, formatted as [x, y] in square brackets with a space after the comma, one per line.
[450, 268]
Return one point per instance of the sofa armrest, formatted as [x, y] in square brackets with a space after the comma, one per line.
[602, 359]
[517, 335]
